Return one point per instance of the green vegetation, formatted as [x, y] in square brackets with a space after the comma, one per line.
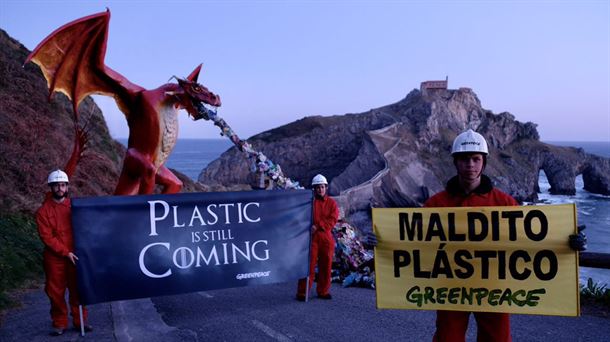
[595, 291]
[20, 254]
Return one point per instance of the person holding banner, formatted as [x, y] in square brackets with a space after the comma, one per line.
[471, 188]
[54, 223]
[325, 216]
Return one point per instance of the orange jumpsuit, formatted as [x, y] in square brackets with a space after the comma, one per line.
[325, 216]
[55, 229]
[452, 325]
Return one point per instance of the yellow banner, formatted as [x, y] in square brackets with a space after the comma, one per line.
[492, 259]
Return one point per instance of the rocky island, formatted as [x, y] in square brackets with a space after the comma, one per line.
[398, 155]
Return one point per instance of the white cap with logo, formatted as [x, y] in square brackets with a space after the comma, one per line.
[469, 142]
[57, 176]
[319, 179]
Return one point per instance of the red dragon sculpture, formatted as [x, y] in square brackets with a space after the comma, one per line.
[72, 61]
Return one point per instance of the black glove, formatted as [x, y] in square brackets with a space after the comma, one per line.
[578, 242]
[370, 239]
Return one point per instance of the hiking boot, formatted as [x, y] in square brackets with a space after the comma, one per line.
[57, 331]
[301, 298]
[325, 296]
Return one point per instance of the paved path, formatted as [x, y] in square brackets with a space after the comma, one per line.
[269, 313]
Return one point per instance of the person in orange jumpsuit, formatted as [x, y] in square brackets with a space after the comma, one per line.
[55, 229]
[471, 188]
[325, 216]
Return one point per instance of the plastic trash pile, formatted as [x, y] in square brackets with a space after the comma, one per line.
[259, 162]
[353, 263]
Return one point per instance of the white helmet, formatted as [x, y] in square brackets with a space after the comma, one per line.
[469, 142]
[319, 179]
[57, 176]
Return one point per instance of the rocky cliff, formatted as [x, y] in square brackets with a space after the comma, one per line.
[37, 136]
[398, 155]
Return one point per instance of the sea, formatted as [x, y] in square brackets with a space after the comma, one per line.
[593, 210]
[190, 156]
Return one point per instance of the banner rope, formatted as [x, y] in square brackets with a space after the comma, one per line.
[260, 163]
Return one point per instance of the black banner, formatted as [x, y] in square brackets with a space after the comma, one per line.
[143, 246]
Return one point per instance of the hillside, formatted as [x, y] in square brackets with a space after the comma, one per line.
[36, 136]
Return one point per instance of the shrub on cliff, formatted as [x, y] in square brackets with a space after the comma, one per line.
[596, 291]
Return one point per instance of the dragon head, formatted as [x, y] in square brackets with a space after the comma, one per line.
[196, 98]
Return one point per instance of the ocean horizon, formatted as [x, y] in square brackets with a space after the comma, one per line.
[190, 156]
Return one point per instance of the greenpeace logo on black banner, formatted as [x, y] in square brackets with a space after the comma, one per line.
[189, 242]
[241, 276]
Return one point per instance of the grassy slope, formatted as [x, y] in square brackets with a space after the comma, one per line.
[20, 254]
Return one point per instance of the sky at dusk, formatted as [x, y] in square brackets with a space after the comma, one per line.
[273, 62]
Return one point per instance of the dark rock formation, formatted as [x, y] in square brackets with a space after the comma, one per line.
[37, 136]
[398, 155]
[303, 148]
[595, 175]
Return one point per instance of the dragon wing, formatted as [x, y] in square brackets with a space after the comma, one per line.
[72, 61]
